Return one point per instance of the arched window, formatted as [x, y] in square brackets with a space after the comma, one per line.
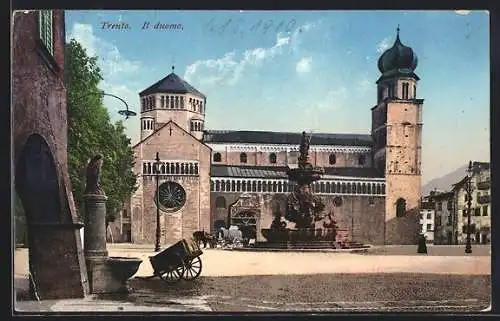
[272, 158]
[414, 91]
[243, 158]
[400, 207]
[182, 102]
[191, 168]
[163, 168]
[166, 101]
[405, 90]
[144, 168]
[361, 160]
[162, 101]
[217, 157]
[192, 126]
[217, 186]
[176, 101]
[332, 159]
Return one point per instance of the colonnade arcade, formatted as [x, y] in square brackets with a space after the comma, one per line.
[242, 185]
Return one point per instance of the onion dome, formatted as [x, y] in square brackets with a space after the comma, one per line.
[399, 60]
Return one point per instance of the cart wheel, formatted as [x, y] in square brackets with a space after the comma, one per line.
[174, 275]
[193, 269]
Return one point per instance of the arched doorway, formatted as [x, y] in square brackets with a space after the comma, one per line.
[246, 221]
[52, 237]
[36, 182]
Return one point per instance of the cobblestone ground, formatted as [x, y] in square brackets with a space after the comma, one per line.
[387, 279]
[333, 292]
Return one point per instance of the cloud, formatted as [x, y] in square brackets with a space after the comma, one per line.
[384, 45]
[333, 100]
[228, 69]
[304, 65]
[462, 12]
[110, 60]
[118, 74]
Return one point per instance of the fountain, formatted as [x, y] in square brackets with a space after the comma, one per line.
[306, 210]
[105, 274]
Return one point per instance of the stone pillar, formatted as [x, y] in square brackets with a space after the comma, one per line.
[95, 227]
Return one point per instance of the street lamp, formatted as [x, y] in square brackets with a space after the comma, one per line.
[125, 112]
[158, 232]
[468, 247]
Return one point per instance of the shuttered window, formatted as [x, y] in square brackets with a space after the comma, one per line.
[45, 29]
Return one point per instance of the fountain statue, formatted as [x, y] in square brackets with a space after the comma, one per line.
[303, 208]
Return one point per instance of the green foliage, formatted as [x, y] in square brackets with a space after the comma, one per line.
[91, 132]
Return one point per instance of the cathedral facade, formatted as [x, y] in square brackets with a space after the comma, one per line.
[213, 178]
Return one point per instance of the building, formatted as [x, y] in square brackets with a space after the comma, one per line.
[213, 178]
[444, 217]
[480, 205]
[39, 160]
[427, 217]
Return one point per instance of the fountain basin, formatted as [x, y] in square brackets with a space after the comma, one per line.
[124, 268]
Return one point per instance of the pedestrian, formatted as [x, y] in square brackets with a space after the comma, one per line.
[422, 245]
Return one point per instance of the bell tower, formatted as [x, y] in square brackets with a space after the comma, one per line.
[397, 133]
[172, 98]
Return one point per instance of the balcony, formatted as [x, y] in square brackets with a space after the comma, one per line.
[485, 185]
[483, 199]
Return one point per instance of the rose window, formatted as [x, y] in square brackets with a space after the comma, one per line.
[171, 196]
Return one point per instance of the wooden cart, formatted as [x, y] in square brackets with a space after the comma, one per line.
[179, 261]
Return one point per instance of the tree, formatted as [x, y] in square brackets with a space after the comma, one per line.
[91, 132]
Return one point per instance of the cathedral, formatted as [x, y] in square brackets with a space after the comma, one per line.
[213, 178]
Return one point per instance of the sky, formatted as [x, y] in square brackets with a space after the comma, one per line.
[302, 70]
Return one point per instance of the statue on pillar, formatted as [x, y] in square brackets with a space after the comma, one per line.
[92, 185]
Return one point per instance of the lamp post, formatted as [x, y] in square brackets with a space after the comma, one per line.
[158, 231]
[125, 112]
[468, 247]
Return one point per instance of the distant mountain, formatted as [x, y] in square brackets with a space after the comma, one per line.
[444, 183]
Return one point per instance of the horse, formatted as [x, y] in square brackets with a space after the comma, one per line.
[205, 238]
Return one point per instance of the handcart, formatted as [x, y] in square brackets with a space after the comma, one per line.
[179, 261]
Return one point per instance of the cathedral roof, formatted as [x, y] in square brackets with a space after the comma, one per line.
[173, 84]
[280, 171]
[292, 138]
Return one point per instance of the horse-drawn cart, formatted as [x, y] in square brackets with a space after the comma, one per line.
[179, 261]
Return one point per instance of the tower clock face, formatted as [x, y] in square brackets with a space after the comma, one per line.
[172, 196]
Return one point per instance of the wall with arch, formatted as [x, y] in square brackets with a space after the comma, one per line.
[363, 216]
[283, 158]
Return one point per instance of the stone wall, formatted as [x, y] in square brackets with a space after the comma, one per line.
[172, 143]
[39, 107]
[362, 216]
[283, 158]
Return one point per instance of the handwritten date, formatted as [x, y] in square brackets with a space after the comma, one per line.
[238, 26]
